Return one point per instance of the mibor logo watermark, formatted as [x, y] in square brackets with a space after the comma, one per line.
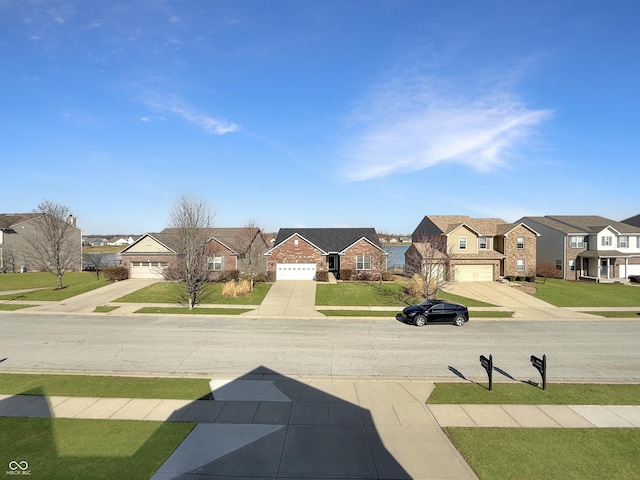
[18, 468]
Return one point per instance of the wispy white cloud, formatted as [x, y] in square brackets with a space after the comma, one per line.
[174, 106]
[415, 121]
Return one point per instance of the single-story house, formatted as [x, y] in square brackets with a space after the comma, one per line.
[299, 253]
[475, 249]
[230, 249]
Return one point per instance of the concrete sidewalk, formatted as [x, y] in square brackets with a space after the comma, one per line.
[281, 427]
[287, 428]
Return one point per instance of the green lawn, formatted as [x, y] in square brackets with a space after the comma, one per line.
[349, 294]
[524, 394]
[550, 453]
[74, 283]
[102, 386]
[628, 314]
[536, 453]
[60, 448]
[12, 306]
[193, 311]
[562, 293]
[170, 292]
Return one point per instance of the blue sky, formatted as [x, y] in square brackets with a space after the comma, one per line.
[319, 113]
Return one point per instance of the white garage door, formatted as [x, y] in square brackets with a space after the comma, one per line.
[147, 269]
[474, 273]
[296, 271]
[629, 270]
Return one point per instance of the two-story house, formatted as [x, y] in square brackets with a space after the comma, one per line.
[19, 231]
[586, 246]
[477, 249]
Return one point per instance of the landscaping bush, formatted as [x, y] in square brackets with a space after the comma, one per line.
[271, 276]
[346, 274]
[416, 287]
[115, 274]
[530, 279]
[322, 276]
[363, 276]
[236, 289]
[228, 276]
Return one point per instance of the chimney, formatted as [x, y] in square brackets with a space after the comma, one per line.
[71, 220]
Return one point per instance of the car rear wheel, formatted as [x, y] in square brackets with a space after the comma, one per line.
[458, 321]
[420, 321]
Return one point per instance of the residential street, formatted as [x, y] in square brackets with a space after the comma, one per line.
[579, 350]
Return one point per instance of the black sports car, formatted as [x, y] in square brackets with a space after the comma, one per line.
[436, 311]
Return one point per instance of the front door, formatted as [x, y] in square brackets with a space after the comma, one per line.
[604, 268]
[333, 262]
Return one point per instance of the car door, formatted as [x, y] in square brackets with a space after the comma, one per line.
[437, 314]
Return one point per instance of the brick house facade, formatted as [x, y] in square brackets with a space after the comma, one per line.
[302, 253]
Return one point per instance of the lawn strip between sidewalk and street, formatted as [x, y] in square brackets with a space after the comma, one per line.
[104, 386]
[615, 314]
[193, 311]
[526, 394]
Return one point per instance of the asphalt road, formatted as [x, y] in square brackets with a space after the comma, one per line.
[603, 350]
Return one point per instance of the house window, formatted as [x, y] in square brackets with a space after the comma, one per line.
[520, 265]
[606, 241]
[577, 242]
[462, 243]
[482, 243]
[558, 264]
[520, 242]
[623, 241]
[363, 262]
[216, 263]
[572, 265]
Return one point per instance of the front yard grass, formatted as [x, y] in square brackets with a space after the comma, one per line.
[371, 294]
[171, 292]
[537, 453]
[74, 283]
[61, 448]
[563, 293]
[12, 306]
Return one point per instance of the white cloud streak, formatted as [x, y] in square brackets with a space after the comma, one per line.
[174, 106]
[414, 122]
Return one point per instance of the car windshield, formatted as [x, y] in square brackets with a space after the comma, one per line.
[428, 302]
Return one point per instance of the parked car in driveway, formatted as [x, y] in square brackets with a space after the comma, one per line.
[634, 278]
[436, 311]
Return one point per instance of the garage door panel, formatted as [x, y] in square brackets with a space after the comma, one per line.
[296, 271]
[474, 273]
[147, 270]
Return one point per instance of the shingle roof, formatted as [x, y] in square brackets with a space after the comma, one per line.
[484, 226]
[583, 223]
[330, 240]
[635, 220]
[7, 220]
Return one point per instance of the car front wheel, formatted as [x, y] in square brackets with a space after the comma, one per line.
[419, 321]
[458, 321]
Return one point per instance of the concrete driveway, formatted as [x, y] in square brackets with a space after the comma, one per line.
[289, 298]
[87, 302]
[524, 306]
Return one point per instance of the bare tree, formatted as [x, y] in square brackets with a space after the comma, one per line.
[251, 246]
[429, 260]
[190, 220]
[55, 244]
[7, 260]
[379, 265]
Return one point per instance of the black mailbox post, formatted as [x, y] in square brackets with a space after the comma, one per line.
[487, 364]
[541, 365]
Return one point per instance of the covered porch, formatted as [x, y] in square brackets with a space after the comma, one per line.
[608, 267]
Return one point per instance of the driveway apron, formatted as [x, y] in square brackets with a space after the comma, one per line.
[524, 306]
[289, 298]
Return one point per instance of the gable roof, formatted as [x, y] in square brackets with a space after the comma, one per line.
[8, 220]
[583, 224]
[233, 238]
[634, 221]
[482, 226]
[330, 240]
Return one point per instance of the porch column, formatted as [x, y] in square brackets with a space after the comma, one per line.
[598, 268]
